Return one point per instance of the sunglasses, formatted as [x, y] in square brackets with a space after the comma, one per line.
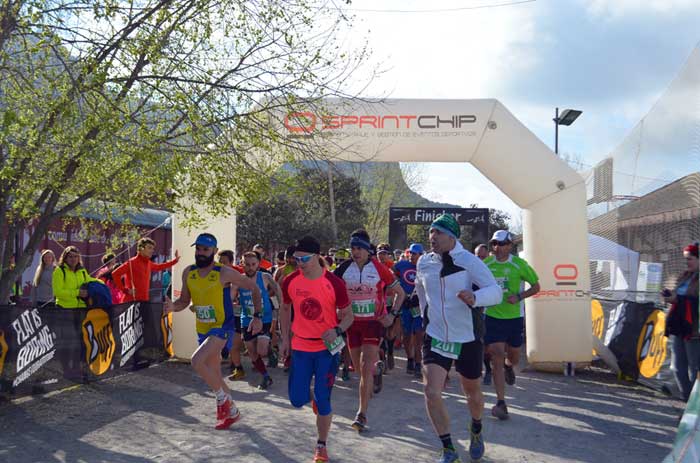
[303, 259]
[499, 243]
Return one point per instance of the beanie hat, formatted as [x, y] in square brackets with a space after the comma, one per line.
[308, 244]
[692, 249]
[446, 223]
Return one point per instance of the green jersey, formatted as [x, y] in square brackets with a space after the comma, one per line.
[510, 276]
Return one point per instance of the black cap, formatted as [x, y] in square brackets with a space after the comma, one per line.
[308, 244]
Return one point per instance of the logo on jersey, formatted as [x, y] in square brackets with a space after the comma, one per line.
[310, 308]
[409, 276]
[98, 340]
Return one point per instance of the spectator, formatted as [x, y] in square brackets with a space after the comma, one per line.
[682, 323]
[109, 263]
[68, 277]
[166, 281]
[42, 285]
[133, 277]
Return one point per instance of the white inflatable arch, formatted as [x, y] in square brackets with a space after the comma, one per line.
[485, 134]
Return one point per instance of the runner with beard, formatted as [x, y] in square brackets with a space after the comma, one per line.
[206, 286]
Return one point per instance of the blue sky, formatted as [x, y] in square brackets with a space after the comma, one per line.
[610, 58]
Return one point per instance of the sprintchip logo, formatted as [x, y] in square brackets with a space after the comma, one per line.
[565, 274]
[306, 122]
[99, 341]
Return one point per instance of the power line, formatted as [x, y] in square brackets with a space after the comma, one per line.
[444, 10]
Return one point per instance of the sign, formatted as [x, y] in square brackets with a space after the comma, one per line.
[99, 341]
[401, 217]
[649, 277]
[651, 346]
[598, 319]
[35, 343]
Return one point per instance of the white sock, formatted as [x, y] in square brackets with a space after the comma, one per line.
[221, 396]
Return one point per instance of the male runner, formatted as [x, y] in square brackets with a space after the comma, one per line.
[232, 350]
[504, 321]
[411, 320]
[444, 285]
[322, 314]
[206, 285]
[257, 344]
[367, 280]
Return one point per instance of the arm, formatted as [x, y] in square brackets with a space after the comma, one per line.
[398, 295]
[489, 293]
[181, 302]
[122, 280]
[272, 287]
[346, 319]
[420, 292]
[165, 265]
[229, 275]
[285, 328]
[534, 289]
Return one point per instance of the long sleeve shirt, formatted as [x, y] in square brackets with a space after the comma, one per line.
[136, 274]
[66, 286]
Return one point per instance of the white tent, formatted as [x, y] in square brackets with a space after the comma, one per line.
[620, 262]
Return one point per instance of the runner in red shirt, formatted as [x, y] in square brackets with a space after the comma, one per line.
[369, 283]
[321, 315]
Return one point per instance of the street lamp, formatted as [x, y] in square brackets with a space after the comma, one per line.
[568, 116]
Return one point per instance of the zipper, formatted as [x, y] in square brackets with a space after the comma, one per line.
[442, 300]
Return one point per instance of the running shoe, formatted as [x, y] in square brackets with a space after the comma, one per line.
[321, 454]
[226, 415]
[360, 423]
[345, 374]
[378, 372]
[265, 383]
[487, 378]
[449, 456]
[390, 361]
[410, 367]
[500, 411]
[476, 446]
[272, 359]
[237, 374]
[509, 374]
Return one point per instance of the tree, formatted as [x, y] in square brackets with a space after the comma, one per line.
[126, 104]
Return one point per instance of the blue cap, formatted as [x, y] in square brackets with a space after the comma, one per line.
[205, 239]
[416, 248]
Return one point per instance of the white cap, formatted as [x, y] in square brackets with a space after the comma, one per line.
[502, 235]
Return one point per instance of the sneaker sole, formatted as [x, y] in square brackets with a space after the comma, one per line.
[228, 422]
[359, 427]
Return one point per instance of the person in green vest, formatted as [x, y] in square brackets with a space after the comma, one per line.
[68, 277]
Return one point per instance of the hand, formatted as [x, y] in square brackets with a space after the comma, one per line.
[387, 320]
[177, 255]
[513, 299]
[255, 326]
[168, 306]
[467, 297]
[83, 293]
[329, 335]
[666, 293]
[284, 348]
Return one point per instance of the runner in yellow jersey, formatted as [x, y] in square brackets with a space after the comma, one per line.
[207, 286]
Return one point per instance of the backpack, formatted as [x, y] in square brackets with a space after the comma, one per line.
[99, 295]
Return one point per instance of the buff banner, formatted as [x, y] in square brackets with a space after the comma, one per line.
[44, 349]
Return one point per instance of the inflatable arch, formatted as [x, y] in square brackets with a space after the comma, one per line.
[485, 134]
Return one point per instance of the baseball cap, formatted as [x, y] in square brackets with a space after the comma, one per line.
[502, 235]
[205, 239]
[416, 248]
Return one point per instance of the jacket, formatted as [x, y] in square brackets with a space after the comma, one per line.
[136, 273]
[66, 286]
[438, 281]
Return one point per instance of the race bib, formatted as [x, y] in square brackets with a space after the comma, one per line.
[335, 346]
[446, 349]
[237, 310]
[415, 312]
[247, 309]
[363, 308]
[205, 313]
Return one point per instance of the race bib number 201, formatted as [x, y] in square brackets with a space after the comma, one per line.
[446, 349]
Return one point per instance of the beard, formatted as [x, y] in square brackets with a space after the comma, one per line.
[203, 261]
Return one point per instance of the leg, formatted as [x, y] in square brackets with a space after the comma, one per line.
[437, 412]
[299, 382]
[497, 353]
[325, 369]
[417, 342]
[692, 349]
[235, 353]
[206, 361]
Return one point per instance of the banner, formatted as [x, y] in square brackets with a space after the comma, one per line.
[48, 348]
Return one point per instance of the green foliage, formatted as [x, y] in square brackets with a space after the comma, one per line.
[153, 102]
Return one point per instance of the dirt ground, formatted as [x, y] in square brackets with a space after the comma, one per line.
[166, 414]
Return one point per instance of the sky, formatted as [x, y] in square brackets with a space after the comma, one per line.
[612, 59]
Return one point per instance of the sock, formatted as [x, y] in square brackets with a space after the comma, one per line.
[260, 366]
[501, 402]
[446, 440]
[390, 346]
[221, 396]
[320, 443]
[476, 426]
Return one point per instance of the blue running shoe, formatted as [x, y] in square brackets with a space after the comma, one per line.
[449, 456]
[476, 447]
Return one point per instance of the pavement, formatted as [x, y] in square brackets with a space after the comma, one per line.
[166, 414]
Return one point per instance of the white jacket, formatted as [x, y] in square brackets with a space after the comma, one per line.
[450, 319]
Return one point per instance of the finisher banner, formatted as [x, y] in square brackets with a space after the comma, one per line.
[47, 348]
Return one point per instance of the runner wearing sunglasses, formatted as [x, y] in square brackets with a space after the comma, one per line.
[368, 283]
[504, 321]
[453, 328]
[321, 314]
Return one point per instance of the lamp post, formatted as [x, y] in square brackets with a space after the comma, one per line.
[568, 116]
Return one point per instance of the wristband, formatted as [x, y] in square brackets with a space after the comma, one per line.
[338, 331]
[257, 315]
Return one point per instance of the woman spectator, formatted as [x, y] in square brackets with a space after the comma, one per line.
[68, 277]
[682, 323]
[109, 263]
[42, 285]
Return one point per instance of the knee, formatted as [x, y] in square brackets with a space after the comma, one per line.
[432, 392]
[298, 399]
[198, 362]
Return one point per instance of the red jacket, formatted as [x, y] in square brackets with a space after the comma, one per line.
[136, 273]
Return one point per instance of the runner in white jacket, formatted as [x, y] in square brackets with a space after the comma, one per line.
[454, 328]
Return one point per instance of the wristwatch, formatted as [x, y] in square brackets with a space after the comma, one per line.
[395, 313]
[338, 331]
[257, 315]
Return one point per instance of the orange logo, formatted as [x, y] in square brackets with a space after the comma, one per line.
[651, 346]
[99, 341]
[166, 327]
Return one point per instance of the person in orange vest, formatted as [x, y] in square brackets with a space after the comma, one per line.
[133, 277]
